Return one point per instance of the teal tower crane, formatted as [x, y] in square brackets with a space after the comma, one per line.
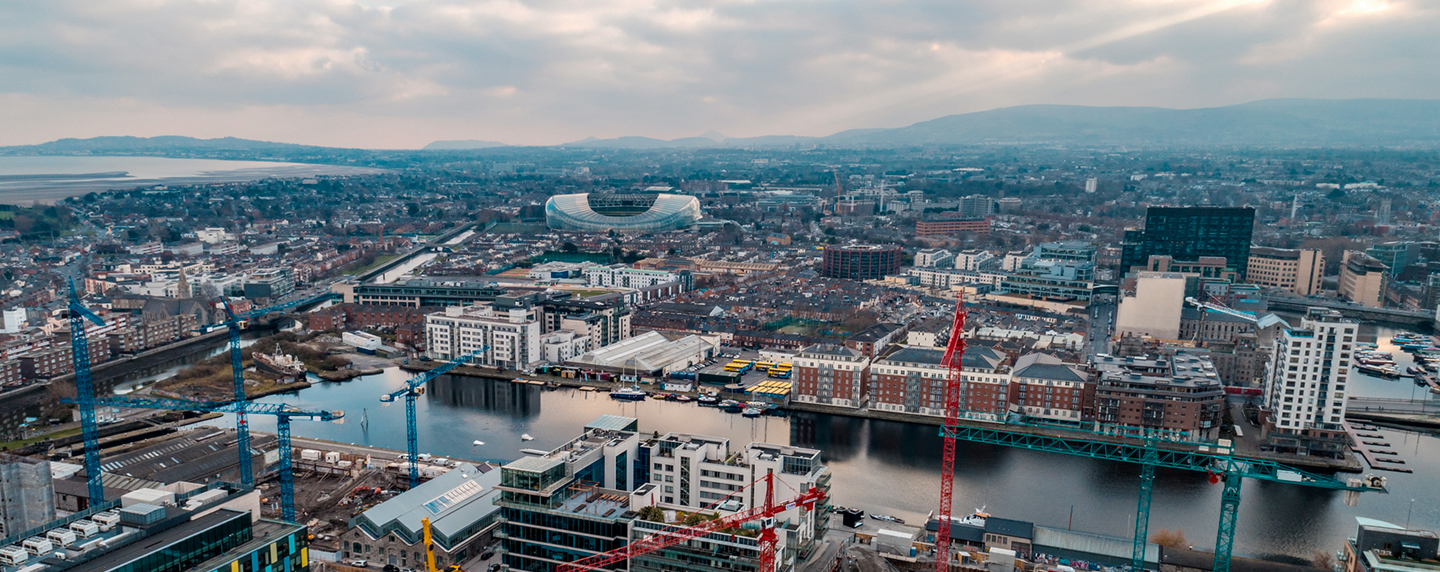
[85, 392]
[415, 387]
[282, 412]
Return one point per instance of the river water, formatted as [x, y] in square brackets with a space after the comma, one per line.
[893, 468]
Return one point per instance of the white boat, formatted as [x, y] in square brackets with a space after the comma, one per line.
[526, 437]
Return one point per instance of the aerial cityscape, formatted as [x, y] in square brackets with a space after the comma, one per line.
[452, 287]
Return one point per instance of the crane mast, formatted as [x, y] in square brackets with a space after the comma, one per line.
[954, 355]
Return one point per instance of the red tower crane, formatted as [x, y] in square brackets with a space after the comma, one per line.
[954, 353]
[665, 539]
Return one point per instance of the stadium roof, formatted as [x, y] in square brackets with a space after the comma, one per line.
[575, 212]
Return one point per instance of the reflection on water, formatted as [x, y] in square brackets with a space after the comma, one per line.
[514, 399]
[883, 466]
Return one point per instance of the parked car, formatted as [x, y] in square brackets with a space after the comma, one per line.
[360, 563]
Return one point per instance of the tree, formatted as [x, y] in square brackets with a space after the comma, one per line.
[1170, 538]
[412, 209]
[1335, 194]
[569, 247]
[1323, 559]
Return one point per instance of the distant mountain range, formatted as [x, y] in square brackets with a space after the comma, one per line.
[1270, 123]
[462, 145]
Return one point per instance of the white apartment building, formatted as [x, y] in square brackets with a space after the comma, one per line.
[620, 276]
[1305, 384]
[948, 278]
[936, 258]
[563, 345]
[696, 471]
[213, 235]
[976, 261]
[513, 337]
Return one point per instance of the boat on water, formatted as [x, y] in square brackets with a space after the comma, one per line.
[1374, 362]
[730, 406]
[632, 393]
[975, 519]
[708, 400]
[684, 398]
[1379, 371]
[660, 396]
[761, 405]
[526, 437]
[888, 518]
[752, 412]
[1365, 345]
[281, 364]
[1412, 370]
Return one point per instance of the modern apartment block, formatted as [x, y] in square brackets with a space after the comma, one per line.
[935, 259]
[594, 494]
[1305, 387]
[1299, 271]
[832, 375]
[1179, 395]
[1362, 279]
[621, 276]
[1187, 233]
[513, 337]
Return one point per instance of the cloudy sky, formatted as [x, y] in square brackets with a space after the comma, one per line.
[402, 73]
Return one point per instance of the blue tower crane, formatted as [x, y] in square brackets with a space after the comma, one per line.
[415, 387]
[85, 392]
[282, 412]
[235, 323]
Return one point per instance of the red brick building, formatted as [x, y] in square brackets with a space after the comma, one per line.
[952, 227]
[832, 375]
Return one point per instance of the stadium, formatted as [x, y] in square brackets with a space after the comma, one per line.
[651, 212]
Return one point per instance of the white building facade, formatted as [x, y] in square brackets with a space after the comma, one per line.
[513, 338]
[625, 277]
[1306, 382]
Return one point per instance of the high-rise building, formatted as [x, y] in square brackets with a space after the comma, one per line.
[936, 258]
[1298, 271]
[27, 496]
[1187, 233]
[860, 261]
[1398, 254]
[1305, 386]
[1092, 184]
[1362, 279]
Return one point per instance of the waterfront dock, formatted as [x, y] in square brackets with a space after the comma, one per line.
[1348, 464]
[1363, 439]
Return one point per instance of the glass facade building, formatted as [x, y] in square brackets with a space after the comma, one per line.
[221, 541]
[587, 212]
[1187, 233]
[860, 261]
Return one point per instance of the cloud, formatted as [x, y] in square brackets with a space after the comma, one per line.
[401, 73]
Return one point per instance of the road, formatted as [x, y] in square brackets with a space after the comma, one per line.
[1102, 323]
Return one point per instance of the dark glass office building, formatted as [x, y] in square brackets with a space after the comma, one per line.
[1187, 233]
[860, 261]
